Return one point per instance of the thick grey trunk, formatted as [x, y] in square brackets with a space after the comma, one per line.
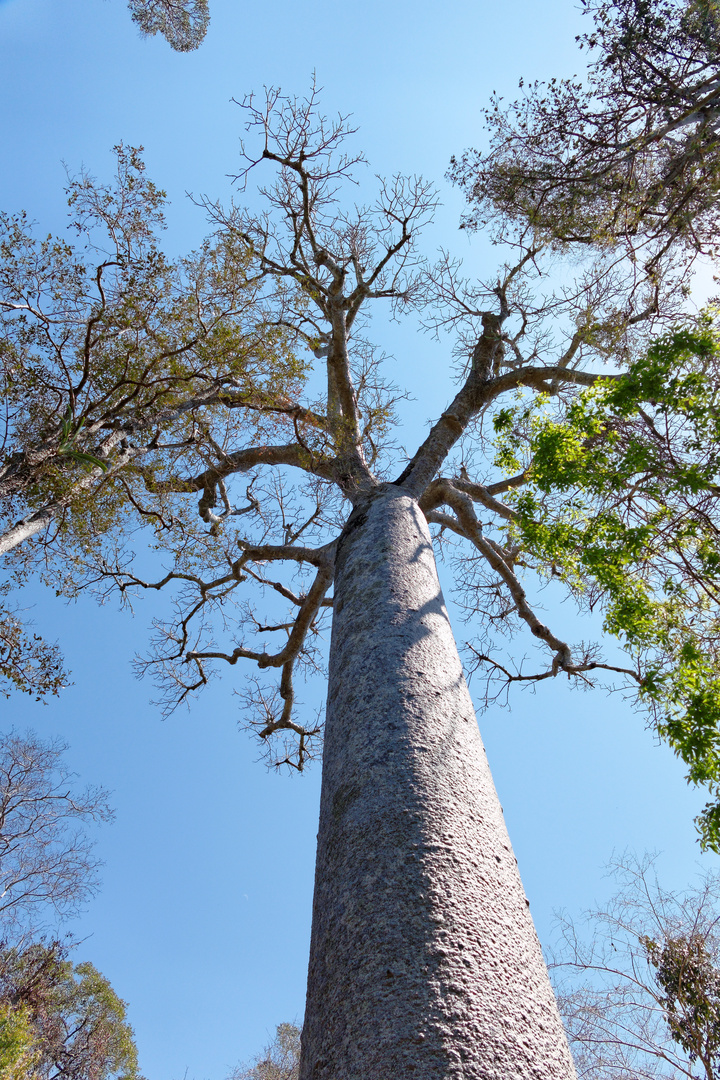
[424, 960]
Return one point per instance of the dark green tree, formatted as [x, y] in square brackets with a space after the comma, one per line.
[64, 1019]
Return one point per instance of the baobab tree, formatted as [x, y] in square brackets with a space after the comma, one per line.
[423, 953]
[423, 956]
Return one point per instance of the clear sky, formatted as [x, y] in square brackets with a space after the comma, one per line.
[203, 921]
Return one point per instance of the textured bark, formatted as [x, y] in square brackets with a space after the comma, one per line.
[424, 959]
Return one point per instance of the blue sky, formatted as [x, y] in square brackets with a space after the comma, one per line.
[203, 921]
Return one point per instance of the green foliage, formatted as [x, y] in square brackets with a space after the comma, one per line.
[65, 1019]
[97, 352]
[621, 504]
[18, 1056]
[121, 367]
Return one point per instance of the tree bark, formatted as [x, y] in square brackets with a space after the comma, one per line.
[424, 961]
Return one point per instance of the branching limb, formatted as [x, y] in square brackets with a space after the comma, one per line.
[307, 612]
[484, 384]
[38, 520]
[579, 669]
[435, 496]
[461, 503]
[465, 524]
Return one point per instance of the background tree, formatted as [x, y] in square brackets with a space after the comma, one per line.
[623, 166]
[46, 857]
[620, 501]
[18, 1056]
[627, 155]
[640, 996]
[59, 1020]
[113, 358]
[280, 1060]
[183, 23]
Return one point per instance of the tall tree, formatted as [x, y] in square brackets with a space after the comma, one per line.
[423, 955]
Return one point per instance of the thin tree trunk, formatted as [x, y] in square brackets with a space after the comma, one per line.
[424, 960]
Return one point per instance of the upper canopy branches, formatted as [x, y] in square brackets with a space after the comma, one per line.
[631, 154]
[183, 23]
[316, 266]
[329, 260]
[231, 402]
[113, 363]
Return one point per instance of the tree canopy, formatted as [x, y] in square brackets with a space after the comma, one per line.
[112, 358]
[621, 504]
[183, 23]
[621, 169]
[137, 382]
[59, 1020]
[627, 155]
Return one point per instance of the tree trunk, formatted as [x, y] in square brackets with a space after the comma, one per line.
[424, 961]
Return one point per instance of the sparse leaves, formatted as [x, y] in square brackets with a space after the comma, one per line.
[626, 161]
[121, 367]
[280, 1060]
[230, 405]
[47, 865]
[27, 663]
[183, 23]
[640, 992]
